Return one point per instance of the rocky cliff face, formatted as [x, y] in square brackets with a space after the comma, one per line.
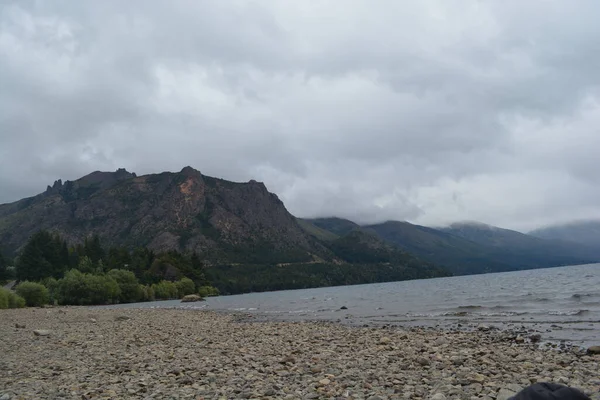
[224, 221]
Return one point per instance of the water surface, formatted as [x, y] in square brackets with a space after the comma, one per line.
[562, 303]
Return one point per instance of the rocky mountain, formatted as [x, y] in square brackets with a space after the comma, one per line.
[583, 232]
[240, 227]
[186, 211]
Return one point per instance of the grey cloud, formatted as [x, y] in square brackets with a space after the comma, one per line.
[432, 111]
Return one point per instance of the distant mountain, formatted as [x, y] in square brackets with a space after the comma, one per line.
[230, 225]
[583, 232]
[338, 226]
[521, 250]
[471, 248]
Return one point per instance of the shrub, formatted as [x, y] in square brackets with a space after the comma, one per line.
[185, 286]
[15, 301]
[87, 289]
[35, 294]
[3, 298]
[9, 299]
[165, 290]
[208, 291]
[128, 285]
[52, 286]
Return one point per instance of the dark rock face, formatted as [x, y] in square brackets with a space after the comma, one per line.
[183, 211]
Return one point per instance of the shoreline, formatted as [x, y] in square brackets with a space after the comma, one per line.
[94, 353]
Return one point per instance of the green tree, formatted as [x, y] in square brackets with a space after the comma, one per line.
[185, 286]
[43, 256]
[4, 271]
[128, 284]
[35, 294]
[165, 290]
[93, 249]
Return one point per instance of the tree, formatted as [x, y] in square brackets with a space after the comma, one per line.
[93, 249]
[4, 272]
[43, 256]
[185, 286]
[128, 284]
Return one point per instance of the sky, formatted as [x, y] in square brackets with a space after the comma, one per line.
[427, 111]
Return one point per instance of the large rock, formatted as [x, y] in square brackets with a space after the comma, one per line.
[190, 298]
[594, 350]
[41, 332]
[505, 394]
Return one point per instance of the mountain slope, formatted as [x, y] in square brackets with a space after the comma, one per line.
[583, 232]
[474, 248]
[522, 250]
[337, 226]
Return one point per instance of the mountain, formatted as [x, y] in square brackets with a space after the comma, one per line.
[460, 255]
[241, 227]
[583, 232]
[185, 211]
[337, 226]
[470, 248]
[522, 250]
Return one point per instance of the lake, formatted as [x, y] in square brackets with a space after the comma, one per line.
[562, 303]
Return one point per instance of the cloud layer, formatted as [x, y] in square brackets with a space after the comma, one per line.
[432, 111]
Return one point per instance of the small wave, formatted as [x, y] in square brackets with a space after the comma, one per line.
[456, 313]
[579, 296]
[569, 313]
[503, 314]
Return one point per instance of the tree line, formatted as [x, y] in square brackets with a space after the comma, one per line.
[49, 271]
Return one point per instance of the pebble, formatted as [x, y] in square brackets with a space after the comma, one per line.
[41, 332]
[188, 354]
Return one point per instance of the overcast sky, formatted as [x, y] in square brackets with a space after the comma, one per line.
[426, 111]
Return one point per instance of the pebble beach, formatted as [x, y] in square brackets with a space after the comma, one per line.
[87, 353]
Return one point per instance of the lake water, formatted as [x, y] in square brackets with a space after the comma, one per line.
[562, 303]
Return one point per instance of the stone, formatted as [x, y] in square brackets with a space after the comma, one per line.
[536, 337]
[41, 332]
[20, 326]
[385, 340]
[593, 350]
[191, 298]
[483, 328]
[122, 318]
[324, 381]
[477, 378]
[505, 394]
[438, 396]
[343, 308]
[514, 387]
[519, 339]
[93, 320]
[423, 361]
[5, 396]
[374, 398]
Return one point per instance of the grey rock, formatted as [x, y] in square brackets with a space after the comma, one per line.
[41, 332]
[593, 350]
[505, 394]
[122, 318]
[191, 298]
[423, 361]
[438, 396]
[536, 337]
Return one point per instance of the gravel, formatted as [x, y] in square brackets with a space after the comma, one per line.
[187, 354]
